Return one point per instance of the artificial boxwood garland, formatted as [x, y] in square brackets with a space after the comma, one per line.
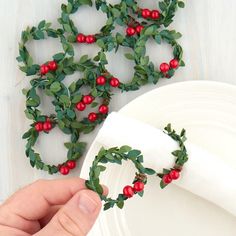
[117, 155]
[74, 35]
[124, 12]
[42, 31]
[66, 101]
[50, 75]
[144, 70]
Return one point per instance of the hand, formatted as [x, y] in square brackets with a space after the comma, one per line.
[50, 207]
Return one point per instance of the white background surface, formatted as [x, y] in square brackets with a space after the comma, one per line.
[209, 36]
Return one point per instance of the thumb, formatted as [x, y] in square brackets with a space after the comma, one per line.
[76, 217]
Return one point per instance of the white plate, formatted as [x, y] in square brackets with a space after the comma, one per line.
[208, 112]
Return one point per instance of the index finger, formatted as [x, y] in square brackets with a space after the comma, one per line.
[33, 201]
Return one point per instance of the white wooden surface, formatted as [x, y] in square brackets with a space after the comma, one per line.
[209, 37]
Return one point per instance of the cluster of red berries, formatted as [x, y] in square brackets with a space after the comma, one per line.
[165, 67]
[101, 80]
[43, 126]
[89, 39]
[173, 175]
[50, 66]
[154, 14]
[86, 100]
[129, 191]
[65, 169]
[130, 31]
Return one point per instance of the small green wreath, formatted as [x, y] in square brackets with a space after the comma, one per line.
[117, 155]
[42, 31]
[46, 124]
[104, 37]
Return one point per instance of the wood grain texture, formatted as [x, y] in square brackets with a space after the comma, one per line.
[209, 36]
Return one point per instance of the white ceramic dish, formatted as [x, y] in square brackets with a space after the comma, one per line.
[208, 112]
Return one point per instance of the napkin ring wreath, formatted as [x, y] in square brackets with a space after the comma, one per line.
[125, 153]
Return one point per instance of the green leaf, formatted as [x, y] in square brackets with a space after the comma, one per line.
[129, 56]
[29, 115]
[94, 92]
[76, 125]
[107, 206]
[77, 98]
[150, 171]
[125, 149]
[120, 204]
[94, 104]
[69, 145]
[100, 43]
[72, 87]
[32, 103]
[83, 59]
[39, 34]
[102, 168]
[115, 12]
[181, 4]
[133, 153]
[65, 100]
[24, 91]
[41, 24]
[69, 8]
[162, 184]
[119, 38]
[150, 30]
[67, 28]
[26, 134]
[55, 87]
[71, 113]
[58, 56]
[85, 2]
[158, 38]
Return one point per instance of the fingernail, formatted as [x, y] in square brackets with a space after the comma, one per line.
[87, 204]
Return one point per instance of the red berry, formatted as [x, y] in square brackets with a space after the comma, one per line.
[164, 67]
[92, 117]
[87, 99]
[101, 80]
[80, 106]
[71, 164]
[174, 63]
[48, 119]
[38, 126]
[114, 82]
[64, 170]
[139, 28]
[167, 179]
[44, 69]
[52, 65]
[80, 38]
[138, 186]
[155, 14]
[146, 13]
[130, 31]
[103, 109]
[47, 126]
[128, 191]
[90, 39]
[174, 174]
